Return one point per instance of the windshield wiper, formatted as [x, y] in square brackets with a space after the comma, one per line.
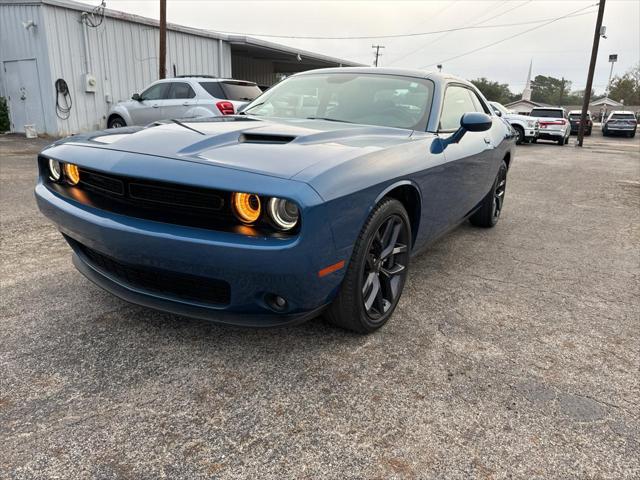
[329, 119]
[177, 122]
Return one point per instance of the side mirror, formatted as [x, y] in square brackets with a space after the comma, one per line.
[136, 97]
[470, 122]
[475, 122]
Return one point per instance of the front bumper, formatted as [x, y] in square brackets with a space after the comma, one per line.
[254, 268]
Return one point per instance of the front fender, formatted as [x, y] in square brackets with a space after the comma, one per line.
[122, 112]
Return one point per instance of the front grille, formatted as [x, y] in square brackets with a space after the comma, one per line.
[160, 201]
[170, 284]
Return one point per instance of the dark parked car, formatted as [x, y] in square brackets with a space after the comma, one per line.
[620, 123]
[314, 199]
[574, 119]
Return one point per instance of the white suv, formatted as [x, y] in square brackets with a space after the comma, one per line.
[183, 97]
[526, 126]
[554, 124]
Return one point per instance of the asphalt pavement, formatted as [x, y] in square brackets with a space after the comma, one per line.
[514, 353]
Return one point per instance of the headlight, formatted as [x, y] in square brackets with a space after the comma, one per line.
[531, 123]
[72, 173]
[54, 170]
[246, 206]
[284, 214]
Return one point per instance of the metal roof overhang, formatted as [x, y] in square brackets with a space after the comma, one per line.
[285, 59]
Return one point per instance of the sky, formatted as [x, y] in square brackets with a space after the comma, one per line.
[560, 49]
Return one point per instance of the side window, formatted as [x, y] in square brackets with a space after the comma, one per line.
[479, 104]
[457, 102]
[180, 90]
[156, 92]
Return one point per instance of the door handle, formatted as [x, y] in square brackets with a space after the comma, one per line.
[186, 103]
[155, 106]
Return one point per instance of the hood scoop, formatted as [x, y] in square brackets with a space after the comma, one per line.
[263, 138]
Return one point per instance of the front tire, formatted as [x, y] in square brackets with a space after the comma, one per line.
[377, 271]
[491, 207]
[116, 122]
[520, 137]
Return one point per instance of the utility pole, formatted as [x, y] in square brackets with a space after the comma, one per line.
[378, 54]
[162, 62]
[592, 67]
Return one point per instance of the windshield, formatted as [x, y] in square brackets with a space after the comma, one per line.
[499, 107]
[546, 113]
[370, 99]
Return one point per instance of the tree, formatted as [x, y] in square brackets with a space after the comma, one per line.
[494, 91]
[550, 90]
[627, 87]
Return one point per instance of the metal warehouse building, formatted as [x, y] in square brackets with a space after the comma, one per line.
[106, 57]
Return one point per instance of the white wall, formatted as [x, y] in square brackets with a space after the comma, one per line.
[18, 43]
[124, 60]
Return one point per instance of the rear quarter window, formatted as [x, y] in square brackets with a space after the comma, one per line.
[213, 89]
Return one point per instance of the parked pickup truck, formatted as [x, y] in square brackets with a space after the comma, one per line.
[526, 127]
[554, 124]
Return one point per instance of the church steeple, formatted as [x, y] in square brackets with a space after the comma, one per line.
[526, 93]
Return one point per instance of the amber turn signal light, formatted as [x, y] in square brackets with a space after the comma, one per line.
[246, 206]
[72, 173]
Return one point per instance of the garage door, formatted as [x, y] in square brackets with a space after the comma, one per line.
[23, 94]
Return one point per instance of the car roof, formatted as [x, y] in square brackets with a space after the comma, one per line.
[622, 111]
[404, 72]
[202, 79]
[578, 111]
[547, 108]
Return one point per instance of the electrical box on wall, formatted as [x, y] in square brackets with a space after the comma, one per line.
[90, 83]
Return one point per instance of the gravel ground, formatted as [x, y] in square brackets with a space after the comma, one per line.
[514, 353]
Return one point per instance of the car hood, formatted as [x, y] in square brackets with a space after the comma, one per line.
[281, 148]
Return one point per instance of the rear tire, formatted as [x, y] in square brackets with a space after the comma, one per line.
[377, 271]
[561, 142]
[491, 207]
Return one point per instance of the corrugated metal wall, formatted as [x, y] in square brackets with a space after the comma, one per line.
[256, 70]
[18, 43]
[124, 60]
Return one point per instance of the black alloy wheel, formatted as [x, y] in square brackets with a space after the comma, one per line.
[377, 270]
[488, 213]
[498, 194]
[384, 269]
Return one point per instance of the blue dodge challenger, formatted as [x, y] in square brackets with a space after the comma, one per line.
[312, 199]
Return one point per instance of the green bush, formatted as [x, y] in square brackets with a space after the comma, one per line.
[4, 115]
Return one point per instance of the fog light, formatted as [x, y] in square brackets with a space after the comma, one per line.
[246, 206]
[72, 173]
[54, 170]
[276, 302]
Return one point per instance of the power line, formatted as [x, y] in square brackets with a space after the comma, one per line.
[510, 37]
[398, 35]
[447, 33]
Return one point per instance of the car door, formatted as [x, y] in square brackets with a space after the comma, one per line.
[149, 108]
[471, 160]
[180, 99]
